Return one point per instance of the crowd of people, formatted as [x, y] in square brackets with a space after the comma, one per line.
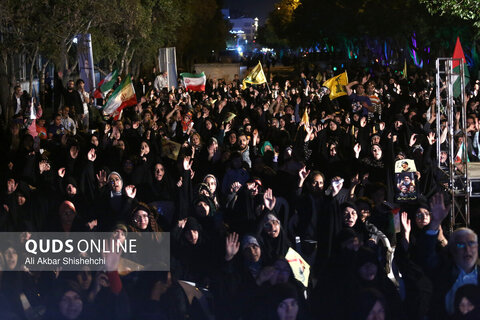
[239, 176]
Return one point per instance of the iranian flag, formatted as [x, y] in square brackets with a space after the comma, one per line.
[458, 54]
[194, 82]
[122, 97]
[105, 85]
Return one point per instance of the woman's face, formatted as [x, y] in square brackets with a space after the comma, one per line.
[287, 309]
[116, 183]
[212, 184]
[232, 138]
[422, 218]
[368, 271]
[11, 258]
[192, 236]
[84, 279]
[377, 312]
[159, 172]
[272, 228]
[141, 219]
[196, 140]
[349, 217]
[94, 141]
[283, 271]
[71, 305]
[202, 209]
[332, 126]
[145, 148]
[208, 125]
[465, 306]
[376, 152]
[252, 253]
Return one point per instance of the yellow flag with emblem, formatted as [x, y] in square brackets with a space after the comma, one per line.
[256, 76]
[337, 85]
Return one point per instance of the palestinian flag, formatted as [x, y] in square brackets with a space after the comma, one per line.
[194, 82]
[122, 97]
[458, 54]
[105, 85]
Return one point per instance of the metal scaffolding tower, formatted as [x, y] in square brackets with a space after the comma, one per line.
[457, 169]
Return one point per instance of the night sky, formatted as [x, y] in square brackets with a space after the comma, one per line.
[252, 8]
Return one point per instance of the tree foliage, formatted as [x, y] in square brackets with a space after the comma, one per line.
[465, 9]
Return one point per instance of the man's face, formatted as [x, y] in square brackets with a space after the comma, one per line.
[407, 180]
[465, 252]
[18, 91]
[65, 112]
[58, 120]
[242, 142]
[360, 90]
[70, 85]
[317, 183]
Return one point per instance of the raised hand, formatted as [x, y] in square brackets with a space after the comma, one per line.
[102, 178]
[439, 211]
[357, 148]
[337, 185]
[187, 163]
[11, 186]
[91, 155]
[61, 172]
[269, 200]
[131, 191]
[232, 246]
[180, 182]
[235, 187]
[181, 223]
[406, 223]
[303, 174]
[413, 139]
[431, 138]
[43, 166]
[363, 122]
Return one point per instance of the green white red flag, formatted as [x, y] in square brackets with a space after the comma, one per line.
[458, 54]
[194, 82]
[105, 85]
[124, 96]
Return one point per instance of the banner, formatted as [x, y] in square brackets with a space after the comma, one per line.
[405, 180]
[85, 60]
[167, 61]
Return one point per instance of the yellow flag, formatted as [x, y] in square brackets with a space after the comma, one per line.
[337, 85]
[405, 69]
[256, 76]
[305, 118]
[300, 268]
